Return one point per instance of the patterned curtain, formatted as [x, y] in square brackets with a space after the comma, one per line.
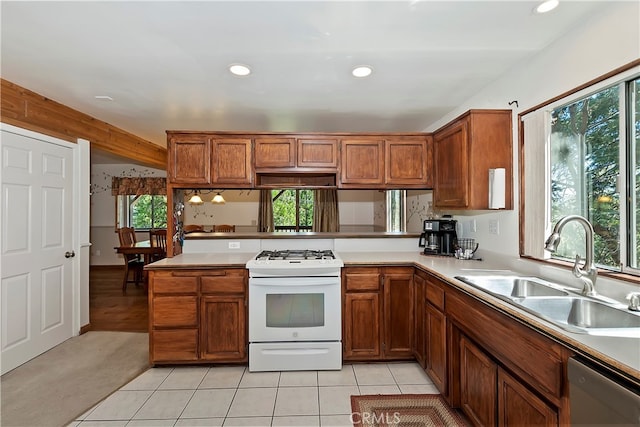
[123, 186]
[325, 211]
[265, 212]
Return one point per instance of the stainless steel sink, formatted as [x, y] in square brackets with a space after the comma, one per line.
[581, 313]
[557, 304]
[513, 286]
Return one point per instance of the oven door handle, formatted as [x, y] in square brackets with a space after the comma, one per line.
[294, 281]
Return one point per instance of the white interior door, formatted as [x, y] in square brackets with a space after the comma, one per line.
[36, 220]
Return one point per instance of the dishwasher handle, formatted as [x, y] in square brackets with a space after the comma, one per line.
[598, 398]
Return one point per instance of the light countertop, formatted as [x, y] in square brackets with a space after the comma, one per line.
[622, 353]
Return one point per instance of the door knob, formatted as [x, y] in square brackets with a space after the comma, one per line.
[69, 254]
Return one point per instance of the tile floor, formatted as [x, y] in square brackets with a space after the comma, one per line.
[233, 396]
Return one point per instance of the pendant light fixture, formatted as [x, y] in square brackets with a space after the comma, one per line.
[218, 199]
[196, 199]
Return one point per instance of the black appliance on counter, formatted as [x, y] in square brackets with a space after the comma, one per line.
[439, 237]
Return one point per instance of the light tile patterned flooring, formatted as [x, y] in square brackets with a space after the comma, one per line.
[233, 396]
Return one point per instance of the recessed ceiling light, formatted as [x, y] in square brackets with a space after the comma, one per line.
[547, 6]
[103, 97]
[362, 71]
[239, 69]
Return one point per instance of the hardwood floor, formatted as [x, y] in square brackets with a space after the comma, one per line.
[109, 309]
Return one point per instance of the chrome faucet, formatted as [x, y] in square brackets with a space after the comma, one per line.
[588, 272]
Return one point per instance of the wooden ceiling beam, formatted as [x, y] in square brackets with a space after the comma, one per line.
[26, 109]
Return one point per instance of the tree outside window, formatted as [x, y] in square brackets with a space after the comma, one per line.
[292, 210]
[587, 177]
[142, 212]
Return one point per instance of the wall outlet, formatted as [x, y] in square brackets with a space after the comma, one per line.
[494, 226]
[97, 252]
[234, 245]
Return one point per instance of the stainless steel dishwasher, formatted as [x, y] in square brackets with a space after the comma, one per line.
[599, 400]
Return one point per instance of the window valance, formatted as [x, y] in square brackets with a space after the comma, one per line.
[123, 186]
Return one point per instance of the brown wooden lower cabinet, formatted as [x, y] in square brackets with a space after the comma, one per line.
[377, 313]
[222, 328]
[198, 316]
[436, 354]
[361, 325]
[490, 396]
[478, 384]
[419, 311]
[518, 406]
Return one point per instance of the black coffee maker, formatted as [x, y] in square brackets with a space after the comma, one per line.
[439, 237]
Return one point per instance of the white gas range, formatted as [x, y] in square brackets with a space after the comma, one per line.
[295, 310]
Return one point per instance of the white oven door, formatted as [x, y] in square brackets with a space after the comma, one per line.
[287, 309]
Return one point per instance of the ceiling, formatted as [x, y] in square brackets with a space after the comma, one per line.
[165, 64]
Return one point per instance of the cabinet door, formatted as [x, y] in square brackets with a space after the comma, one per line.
[519, 406]
[189, 159]
[275, 153]
[407, 162]
[398, 315]
[223, 328]
[362, 162]
[231, 162]
[419, 312]
[451, 165]
[478, 384]
[318, 154]
[436, 346]
[361, 326]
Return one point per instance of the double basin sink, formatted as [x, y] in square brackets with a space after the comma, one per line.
[563, 306]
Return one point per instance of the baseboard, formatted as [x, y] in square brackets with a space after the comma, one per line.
[86, 328]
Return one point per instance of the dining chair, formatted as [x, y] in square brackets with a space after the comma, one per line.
[224, 228]
[158, 237]
[191, 228]
[132, 262]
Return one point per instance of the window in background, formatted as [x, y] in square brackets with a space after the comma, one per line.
[594, 171]
[292, 210]
[141, 212]
[396, 202]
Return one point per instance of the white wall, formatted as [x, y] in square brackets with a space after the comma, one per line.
[602, 44]
[103, 211]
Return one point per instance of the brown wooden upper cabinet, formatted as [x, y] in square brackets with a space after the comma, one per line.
[231, 162]
[362, 162]
[296, 154]
[464, 151]
[189, 159]
[386, 161]
[409, 162]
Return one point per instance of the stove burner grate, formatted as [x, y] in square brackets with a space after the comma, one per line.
[296, 254]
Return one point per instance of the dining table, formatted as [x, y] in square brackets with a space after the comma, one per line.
[143, 247]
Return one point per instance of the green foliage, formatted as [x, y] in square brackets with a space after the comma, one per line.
[292, 208]
[149, 211]
[585, 164]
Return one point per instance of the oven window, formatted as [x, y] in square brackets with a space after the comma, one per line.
[295, 310]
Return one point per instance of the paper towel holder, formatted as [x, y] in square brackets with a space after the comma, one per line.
[497, 182]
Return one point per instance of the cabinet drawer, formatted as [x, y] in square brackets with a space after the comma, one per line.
[223, 284]
[169, 284]
[362, 279]
[435, 295]
[175, 311]
[174, 345]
